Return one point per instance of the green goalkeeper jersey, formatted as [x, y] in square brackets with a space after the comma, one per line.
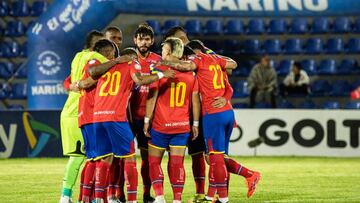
[81, 58]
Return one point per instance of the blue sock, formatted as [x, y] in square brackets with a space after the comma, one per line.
[67, 192]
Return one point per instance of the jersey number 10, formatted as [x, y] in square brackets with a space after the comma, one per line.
[177, 94]
[114, 80]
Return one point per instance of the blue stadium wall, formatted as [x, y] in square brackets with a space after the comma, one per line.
[59, 33]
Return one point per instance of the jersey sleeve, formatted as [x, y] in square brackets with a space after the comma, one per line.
[221, 61]
[91, 63]
[135, 67]
[67, 83]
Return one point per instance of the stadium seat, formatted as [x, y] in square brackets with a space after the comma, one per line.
[19, 8]
[2, 31]
[342, 25]
[272, 46]
[309, 66]
[169, 24]
[356, 28]
[352, 105]
[14, 48]
[285, 104]
[256, 26]
[38, 7]
[244, 68]
[340, 88]
[320, 25]
[6, 70]
[346, 67]
[355, 85]
[252, 46]
[307, 105]
[262, 105]
[231, 47]
[15, 29]
[314, 46]
[293, 46]
[277, 26]
[284, 67]
[331, 105]
[18, 91]
[327, 67]
[4, 50]
[4, 90]
[234, 27]
[24, 52]
[155, 26]
[334, 46]
[299, 26]
[16, 107]
[193, 27]
[21, 72]
[240, 105]
[240, 89]
[213, 27]
[354, 45]
[320, 88]
[4, 8]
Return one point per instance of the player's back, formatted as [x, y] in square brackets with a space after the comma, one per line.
[113, 92]
[211, 77]
[173, 104]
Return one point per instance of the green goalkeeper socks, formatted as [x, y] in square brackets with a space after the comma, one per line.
[71, 173]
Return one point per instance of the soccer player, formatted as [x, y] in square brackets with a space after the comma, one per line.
[112, 131]
[114, 34]
[71, 137]
[219, 121]
[143, 40]
[173, 99]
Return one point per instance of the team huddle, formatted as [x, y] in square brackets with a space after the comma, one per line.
[171, 102]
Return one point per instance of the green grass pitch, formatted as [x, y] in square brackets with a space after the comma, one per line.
[284, 179]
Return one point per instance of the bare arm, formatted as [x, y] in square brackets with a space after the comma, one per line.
[230, 63]
[98, 70]
[150, 106]
[86, 83]
[180, 65]
[196, 114]
[148, 79]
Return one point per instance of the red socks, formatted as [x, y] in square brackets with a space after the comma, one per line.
[156, 175]
[236, 168]
[217, 176]
[119, 186]
[113, 177]
[82, 182]
[146, 177]
[131, 176]
[88, 180]
[101, 182]
[198, 169]
[177, 175]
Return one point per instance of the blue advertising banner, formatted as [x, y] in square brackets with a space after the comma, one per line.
[60, 32]
[30, 134]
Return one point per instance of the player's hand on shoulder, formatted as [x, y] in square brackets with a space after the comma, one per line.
[169, 73]
[195, 132]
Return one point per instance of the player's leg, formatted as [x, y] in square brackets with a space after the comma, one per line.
[215, 142]
[119, 187]
[103, 157]
[142, 141]
[72, 143]
[252, 177]
[196, 150]
[114, 173]
[176, 164]
[157, 146]
[122, 141]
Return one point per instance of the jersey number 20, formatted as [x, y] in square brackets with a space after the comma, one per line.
[112, 80]
[177, 94]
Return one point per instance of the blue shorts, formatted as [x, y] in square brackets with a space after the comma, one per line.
[114, 138]
[217, 130]
[88, 133]
[198, 145]
[138, 130]
[164, 141]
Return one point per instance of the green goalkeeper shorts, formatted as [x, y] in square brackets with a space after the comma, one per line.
[71, 137]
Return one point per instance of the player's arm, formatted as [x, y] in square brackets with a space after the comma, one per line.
[97, 71]
[67, 83]
[180, 65]
[148, 79]
[196, 114]
[230, 63]
[150, 106]
[85, 83]
[220, 102]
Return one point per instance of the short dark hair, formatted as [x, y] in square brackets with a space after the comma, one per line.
[102, 44]
[298, 65]
[197, 44]
[188, 51]
[171, 32]
[112, 29]
[128, 51]
[90, 37]
[144, 30]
